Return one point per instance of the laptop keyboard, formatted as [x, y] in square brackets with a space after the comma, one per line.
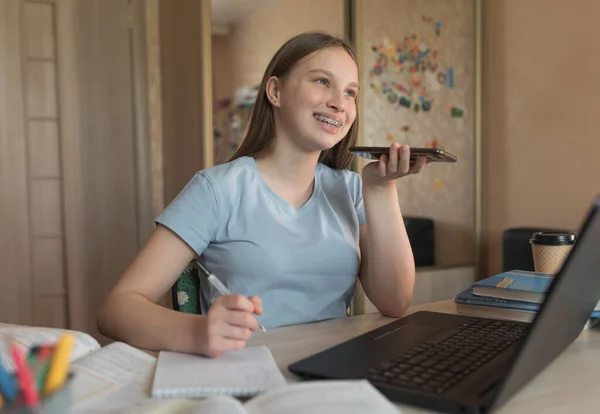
[435, 367]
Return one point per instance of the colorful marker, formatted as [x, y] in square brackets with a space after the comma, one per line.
[8, 387]
[41, 367]
[24, 377]
[59, 364]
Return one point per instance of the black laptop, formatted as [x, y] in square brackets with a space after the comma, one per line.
[462, 364]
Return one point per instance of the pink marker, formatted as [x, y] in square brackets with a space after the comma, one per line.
[25, 377]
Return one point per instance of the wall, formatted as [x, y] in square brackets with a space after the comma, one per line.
[180, 34]
[222, 94]
[221, 65]
[541, 106]
[252, 45]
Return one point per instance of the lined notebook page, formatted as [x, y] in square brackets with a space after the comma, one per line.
[245, 372]
[323, 397]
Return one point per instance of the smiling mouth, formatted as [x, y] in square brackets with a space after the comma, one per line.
[328, 121]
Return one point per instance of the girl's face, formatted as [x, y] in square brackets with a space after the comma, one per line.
[317, 100]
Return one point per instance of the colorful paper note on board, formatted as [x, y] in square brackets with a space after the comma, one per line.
[406, 67]
[432, 144]
[455, 112]
[450, 77]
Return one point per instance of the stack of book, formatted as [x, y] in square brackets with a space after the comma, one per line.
[516, 295]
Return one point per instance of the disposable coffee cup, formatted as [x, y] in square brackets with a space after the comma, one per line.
[550, 249]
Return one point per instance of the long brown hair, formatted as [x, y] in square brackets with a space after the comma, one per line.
[260, 130]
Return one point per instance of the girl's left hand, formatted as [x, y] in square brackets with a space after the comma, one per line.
[397, 165]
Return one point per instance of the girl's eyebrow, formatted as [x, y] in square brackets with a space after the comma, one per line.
[328, 73]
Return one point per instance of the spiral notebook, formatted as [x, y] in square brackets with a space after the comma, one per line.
[243, 373]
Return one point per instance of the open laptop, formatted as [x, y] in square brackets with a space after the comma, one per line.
[463, 364]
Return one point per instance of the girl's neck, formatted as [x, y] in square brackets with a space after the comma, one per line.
[286, 166]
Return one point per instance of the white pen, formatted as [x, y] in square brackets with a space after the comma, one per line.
[218, 284]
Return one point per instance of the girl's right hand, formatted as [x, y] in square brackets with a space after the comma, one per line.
[229, 323]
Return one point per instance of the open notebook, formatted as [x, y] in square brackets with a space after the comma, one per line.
[252, 371]
[242, 373]
[313, 397]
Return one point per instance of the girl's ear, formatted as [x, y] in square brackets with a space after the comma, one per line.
[272, 90]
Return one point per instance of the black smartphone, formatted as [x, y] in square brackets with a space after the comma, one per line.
[432, 154]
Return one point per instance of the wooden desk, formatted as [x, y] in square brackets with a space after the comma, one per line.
[568, 385]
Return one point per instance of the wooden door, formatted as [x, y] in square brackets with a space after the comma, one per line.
[31, 220]
[75, 204]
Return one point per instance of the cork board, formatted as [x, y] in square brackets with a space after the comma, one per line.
[418, 88]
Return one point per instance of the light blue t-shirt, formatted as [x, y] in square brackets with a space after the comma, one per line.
[303, 262]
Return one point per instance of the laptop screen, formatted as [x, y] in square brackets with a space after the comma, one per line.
[569, 302]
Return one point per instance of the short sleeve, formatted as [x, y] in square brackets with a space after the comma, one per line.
[358, 199]
[193, 214]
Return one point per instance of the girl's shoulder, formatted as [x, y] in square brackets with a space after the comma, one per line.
[336, 181]
[229, 181]
[226, 173]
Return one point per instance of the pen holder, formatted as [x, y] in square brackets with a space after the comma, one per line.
[59, 402]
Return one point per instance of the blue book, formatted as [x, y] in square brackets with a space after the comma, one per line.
[469, 303]
[516, 285]
[467, 297]
[521, 285]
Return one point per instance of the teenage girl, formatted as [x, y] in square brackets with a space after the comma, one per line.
[283, 224]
